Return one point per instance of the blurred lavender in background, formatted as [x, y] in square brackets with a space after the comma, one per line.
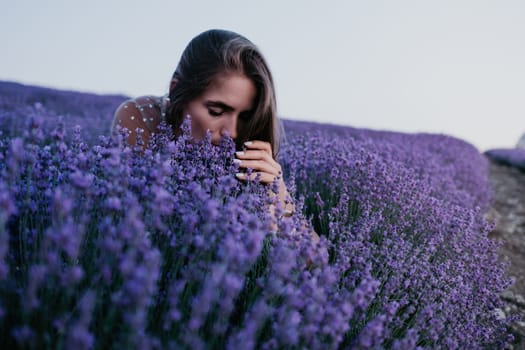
[514, 157]
[18, 102]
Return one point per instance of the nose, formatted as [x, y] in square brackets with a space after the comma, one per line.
[230, 126]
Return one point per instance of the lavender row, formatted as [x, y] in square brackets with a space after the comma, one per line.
[91, 111]
[408, 208]
[453, 168]
[514, 157]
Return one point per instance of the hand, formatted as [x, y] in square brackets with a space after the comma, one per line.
[258, 156]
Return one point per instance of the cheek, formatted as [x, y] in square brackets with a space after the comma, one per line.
[201, 122]
[198, 128]
[192, 109]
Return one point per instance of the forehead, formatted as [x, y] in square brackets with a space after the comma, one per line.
[234, 89]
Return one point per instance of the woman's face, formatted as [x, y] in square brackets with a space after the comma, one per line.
[222, 107]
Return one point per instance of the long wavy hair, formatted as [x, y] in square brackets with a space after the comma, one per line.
[218, 51]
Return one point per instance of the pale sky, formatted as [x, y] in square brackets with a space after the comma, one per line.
[442, 66]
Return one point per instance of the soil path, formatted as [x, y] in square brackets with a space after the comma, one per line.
[508, 214]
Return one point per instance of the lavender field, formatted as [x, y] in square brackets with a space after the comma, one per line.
[103, 246]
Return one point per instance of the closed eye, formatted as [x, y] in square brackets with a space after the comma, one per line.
[215, 113]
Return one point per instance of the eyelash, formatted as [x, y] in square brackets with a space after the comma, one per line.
[215, 113]
[243, 116]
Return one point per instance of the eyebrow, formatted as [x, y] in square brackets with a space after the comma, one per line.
[219, 104]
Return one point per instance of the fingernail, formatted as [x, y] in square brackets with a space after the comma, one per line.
[247, 143]
[239, 153]
[240, 175]
[237, 161]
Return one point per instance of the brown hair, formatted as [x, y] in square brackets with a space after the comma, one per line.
[217, 51]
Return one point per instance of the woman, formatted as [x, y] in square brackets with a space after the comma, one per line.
[223, 84]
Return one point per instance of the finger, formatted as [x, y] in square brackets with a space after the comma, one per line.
[255, 160]
[255, 155]
[261, 166]
[265, 178]
[259, 145]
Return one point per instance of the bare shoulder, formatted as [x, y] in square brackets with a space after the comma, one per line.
[145, 109]
[141, 112]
